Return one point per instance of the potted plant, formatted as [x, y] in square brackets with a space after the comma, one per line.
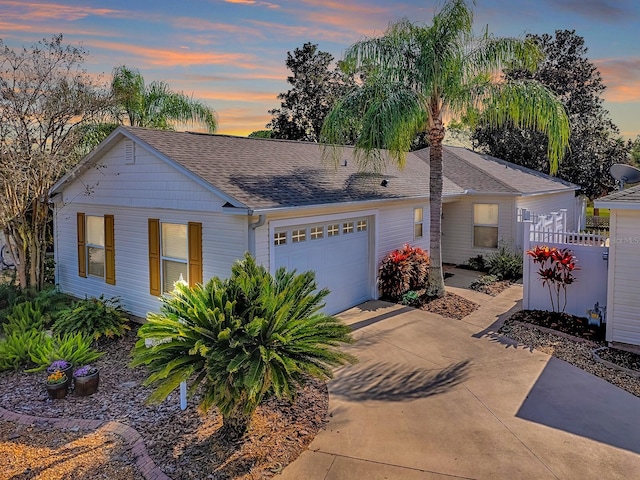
[63, 366]
[57, 384]
[86, 379]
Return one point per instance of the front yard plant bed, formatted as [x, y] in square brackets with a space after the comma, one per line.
[450, 306]
[183, 444]
[575, 350]
[562, 322]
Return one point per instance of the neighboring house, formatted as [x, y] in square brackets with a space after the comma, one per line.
[623, 301]
[148, 206]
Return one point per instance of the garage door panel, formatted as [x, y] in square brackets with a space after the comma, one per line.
[341, 262]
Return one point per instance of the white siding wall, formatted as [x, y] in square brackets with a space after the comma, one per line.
[457, 227]
[224, 239]
[623, 301]
[149, 182]
[393, 226]
[543, 204]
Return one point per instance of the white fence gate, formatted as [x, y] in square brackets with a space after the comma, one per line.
[590, 286]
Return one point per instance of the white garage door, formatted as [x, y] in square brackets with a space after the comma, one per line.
[337, 251]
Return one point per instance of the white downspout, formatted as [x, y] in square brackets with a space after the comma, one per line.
[252, 232]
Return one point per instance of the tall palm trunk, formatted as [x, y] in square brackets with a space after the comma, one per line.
[436, 278]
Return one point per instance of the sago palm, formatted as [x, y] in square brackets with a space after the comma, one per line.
[417, 77]
[237, 340]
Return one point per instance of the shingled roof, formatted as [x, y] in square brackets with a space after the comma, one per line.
[627, 199]
[265, 173]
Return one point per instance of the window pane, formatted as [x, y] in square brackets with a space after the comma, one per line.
[485, 214]
[362, 225]
[95, 231]
[171, 272]
[417, 231]
[333, 230]
[298, 236]
[96, 261]
[316, 232]
[347, 227]
[485, 237]
[280, 238]
[174, 240]
[417, 215]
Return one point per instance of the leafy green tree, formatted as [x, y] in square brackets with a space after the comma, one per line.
[239, 339]
[261, 134]
[634, 150]
[417, 76]
[595, 144]
[46, 100]
[314, 89]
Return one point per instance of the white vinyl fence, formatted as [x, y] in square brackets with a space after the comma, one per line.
[590, 286]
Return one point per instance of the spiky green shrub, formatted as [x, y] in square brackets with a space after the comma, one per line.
[238, 339]
[93, 317]
[72, 347]
[24, 317]
[14, 348]
[506, 262]
[401, 271]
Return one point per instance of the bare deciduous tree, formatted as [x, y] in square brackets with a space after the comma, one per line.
[46, 99]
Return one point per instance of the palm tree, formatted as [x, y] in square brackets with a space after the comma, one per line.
[155, 105]
[237, 340]
[416, 77]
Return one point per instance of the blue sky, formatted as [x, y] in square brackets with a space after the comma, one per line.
[231, 53]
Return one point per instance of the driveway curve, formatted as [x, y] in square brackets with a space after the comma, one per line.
[435, 398]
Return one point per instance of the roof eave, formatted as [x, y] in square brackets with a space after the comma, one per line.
[616, 204]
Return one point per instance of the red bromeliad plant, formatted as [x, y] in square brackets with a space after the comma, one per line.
[556, 271]
[403, 270]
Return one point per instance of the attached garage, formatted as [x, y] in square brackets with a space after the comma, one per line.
[338, 250]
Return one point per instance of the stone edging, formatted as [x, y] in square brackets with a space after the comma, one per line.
[145, 464]
[596, 357]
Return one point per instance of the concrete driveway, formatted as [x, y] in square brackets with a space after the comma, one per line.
[435, 398]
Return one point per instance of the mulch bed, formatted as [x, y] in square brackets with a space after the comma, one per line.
[183, 444]
[573, 326]
[562, 322]
[450, 306]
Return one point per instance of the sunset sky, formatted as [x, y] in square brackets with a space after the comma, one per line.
[231, 53]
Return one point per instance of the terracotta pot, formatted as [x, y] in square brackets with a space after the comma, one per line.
[57, 391]
[87, 385]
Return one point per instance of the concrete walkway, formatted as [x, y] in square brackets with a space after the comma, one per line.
[435, 398]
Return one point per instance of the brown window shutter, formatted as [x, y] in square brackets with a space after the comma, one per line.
[154, 257]
[109, 251]
[82, 244]
[195, 253]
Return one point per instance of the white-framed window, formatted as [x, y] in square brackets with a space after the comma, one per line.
[418, 222]
[347, 227]
[316, 233]
[299, 235]
[361, 226]
[333, 230]
[485, 225]
[95, 246]
[174, 248]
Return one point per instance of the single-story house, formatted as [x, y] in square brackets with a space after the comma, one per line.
[623, 301]
[148, 206]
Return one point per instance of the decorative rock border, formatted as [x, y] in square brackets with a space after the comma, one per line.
[596, 357]
[145, 464]
[555, 332]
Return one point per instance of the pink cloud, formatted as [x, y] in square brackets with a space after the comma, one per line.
[46, 11]
[622, 78]
[257, 3]
[166, 58]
